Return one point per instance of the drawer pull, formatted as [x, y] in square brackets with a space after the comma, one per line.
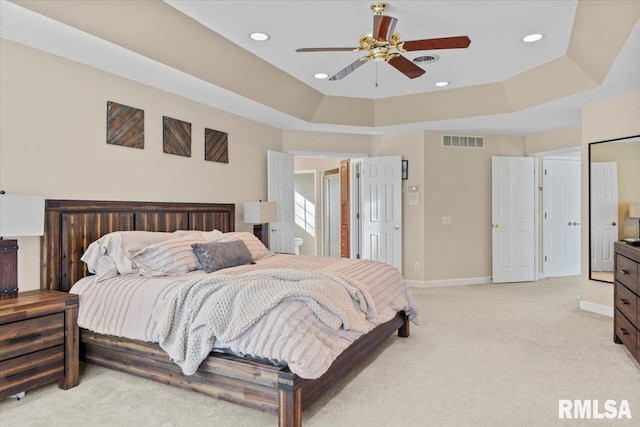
[28, 337]
[23, 374]
[624, 301]
[623, 272]
[624, 331]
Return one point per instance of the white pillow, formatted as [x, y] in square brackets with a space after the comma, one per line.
[174, 256]
[256, 247]
[118, 246]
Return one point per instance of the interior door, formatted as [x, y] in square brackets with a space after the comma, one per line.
[345, 210]
[331, 230]
[381, 209]
[280, 183]
[604, 214]
[561, 217]
[513, 185]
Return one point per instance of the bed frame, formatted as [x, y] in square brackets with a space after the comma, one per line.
[71, 225]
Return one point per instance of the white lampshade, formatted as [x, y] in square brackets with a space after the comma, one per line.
[21, 216]
[260, 212]
[634, 210]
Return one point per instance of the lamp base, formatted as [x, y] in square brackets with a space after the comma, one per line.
[8, 269]
[261, 231]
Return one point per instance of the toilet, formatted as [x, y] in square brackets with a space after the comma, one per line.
[298, 242]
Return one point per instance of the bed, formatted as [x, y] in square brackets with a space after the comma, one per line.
[72, 225]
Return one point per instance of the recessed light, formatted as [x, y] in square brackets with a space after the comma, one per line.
[532, 38]
[441, 84]
[259, 37]
[321, 76]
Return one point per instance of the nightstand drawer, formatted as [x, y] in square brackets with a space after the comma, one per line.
[627, 272]
[31, 335]
[626, 302]
[626, 332]
[31, 370]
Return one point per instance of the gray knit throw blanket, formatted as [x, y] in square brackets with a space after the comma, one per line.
[223, 307]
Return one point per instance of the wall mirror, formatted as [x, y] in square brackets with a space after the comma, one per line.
[614, 184]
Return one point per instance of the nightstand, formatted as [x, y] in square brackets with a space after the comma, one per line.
[38, 341]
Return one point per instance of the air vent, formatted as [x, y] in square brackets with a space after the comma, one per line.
[426, 59]
[459, 141]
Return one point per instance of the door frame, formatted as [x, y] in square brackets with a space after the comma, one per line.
[539, 272]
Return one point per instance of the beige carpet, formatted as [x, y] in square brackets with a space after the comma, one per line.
[485, 355]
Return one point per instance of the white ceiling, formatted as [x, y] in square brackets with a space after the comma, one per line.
[496, 53]
[495, 29]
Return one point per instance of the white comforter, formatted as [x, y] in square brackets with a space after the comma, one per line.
[290, 333]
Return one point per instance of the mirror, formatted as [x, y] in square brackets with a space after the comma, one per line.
[614, 183]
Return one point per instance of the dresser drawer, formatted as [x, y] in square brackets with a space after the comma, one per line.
[626, 332]
[627, 303]
[31, 370]
[31, 335]
[627, 272]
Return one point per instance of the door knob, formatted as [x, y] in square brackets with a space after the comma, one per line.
[576, 223]
[614, 223]
[397, 227]
[571, 223]
[273, 230]
[496, 225]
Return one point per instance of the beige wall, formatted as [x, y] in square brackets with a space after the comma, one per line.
[558, 139]
[52, 143]
[613, 118]
[458, 184]
[325, 142]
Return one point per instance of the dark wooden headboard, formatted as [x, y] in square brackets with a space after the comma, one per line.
[72, 225]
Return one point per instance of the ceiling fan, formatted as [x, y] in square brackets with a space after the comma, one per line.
[381, 42]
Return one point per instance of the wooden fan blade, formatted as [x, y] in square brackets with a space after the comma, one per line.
[383, 27]
[327, 49]
[442, 43]
[406, 67]
[348, 69]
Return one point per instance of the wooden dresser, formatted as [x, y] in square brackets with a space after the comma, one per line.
[38, 341]
[626, 314]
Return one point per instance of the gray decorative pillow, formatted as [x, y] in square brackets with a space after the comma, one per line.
[217, 255]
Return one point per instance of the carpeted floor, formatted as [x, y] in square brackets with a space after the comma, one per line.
[485, 355]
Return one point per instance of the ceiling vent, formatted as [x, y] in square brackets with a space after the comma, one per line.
[426, 59]
[459, 141]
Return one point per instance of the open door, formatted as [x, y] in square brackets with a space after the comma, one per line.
[381, 209]
[345, 210]
[513, 186]
[604, 214]
[280, 182]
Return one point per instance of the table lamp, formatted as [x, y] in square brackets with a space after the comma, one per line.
[20, 216]
[260, 214]
[634, 212]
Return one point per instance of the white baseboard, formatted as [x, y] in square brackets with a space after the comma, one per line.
[448, 282]
[605, 310]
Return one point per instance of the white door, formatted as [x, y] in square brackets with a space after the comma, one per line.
[381, 209]
[513, 216]
[561, 217]
[604, 214]
[280, 182]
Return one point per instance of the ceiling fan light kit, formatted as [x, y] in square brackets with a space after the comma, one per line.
[384, 44]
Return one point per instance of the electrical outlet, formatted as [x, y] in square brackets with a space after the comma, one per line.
[447, 220]
[416, 266]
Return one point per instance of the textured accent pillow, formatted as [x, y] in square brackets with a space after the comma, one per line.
[217, 255]
[169, 257]
[257, 249]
